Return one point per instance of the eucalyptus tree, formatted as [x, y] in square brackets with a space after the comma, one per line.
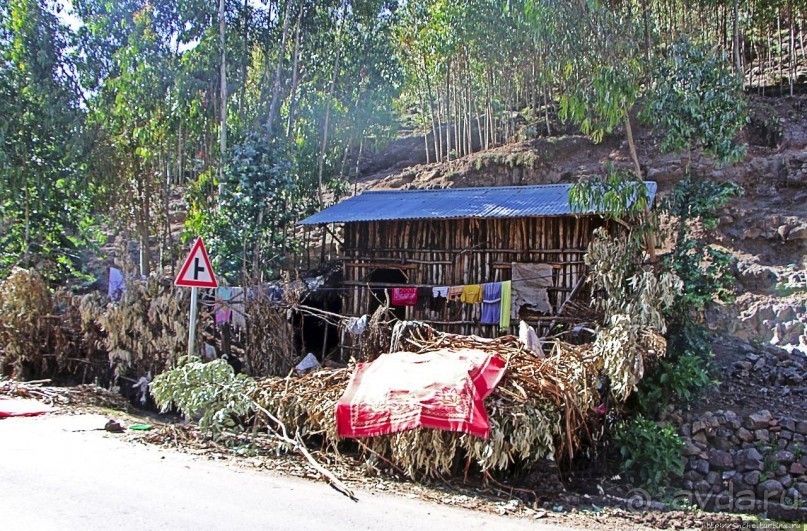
[131, 112]
[45, 199]
[696, 102]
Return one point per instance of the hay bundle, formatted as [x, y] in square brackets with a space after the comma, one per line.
[147, 330]
[306, 404]
[376, 337]
[81, 355]
[543, 408]
[27, 334]
[269, 342]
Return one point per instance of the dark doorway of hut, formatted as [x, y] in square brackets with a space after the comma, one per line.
[390, 277]
[315, 335]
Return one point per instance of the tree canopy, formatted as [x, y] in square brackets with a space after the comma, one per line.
[251, 114]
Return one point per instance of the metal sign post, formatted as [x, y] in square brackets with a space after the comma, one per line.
[196, 273]
[194, 312]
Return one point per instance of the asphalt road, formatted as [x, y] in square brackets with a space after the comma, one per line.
[55, 477]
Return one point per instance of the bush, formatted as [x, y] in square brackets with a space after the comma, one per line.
[211, 391]
[649, 455]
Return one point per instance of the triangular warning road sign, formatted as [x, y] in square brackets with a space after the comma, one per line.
[197, 272]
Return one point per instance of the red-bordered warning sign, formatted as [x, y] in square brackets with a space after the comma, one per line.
[197, 272]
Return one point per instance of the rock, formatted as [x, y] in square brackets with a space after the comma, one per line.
[769, 487]
[786, 480]
[797, 469]
[802, 488]
[722, 444]
[693, 476]
[703, 486]
[750, 459]
[720, 459]
[752, 478]
[786, 435]
[701, 466]
[785, 312]
[714, 478]
[801, 427]
[698, 426]
[745, 435]
[792, 377]
[691, 449]
[759, 420]
[762, 435]
[700, 437]
[787, 423]
[783, 456]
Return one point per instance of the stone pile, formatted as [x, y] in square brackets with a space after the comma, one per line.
[783, 324]
[776, 371]
[758, 457]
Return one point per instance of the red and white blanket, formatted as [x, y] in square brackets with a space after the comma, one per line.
[22, 407]
[442, 389]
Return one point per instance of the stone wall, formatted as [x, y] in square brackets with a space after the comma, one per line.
[754, 458]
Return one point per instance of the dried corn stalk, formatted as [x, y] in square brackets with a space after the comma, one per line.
[269, 338]
[147, 330]
[541, 409]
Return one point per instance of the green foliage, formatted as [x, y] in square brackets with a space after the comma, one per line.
[617, 196]
[262, 196]
[649, 455]
[705, 273]
[211, 391]
[681, 379]
[45, 198]
[704, 269]
[697, 102]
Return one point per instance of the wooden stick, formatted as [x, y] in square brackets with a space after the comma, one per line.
[298, 445]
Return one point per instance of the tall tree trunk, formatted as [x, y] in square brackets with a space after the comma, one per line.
[245, 56]
[646, 17]
[632, 147]
[281, 54]
[781, 51]
[294, 73]
[223, 106]
[448, 111]
[792, 63]
[326, 126]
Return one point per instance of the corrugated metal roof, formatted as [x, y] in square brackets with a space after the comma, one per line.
[453, 203]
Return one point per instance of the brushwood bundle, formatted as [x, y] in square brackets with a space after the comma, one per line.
[543, 407]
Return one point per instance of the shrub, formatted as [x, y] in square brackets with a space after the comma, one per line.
[211, 391]
[649, 455]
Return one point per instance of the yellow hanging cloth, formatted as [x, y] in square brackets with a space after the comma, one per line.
[472, 294]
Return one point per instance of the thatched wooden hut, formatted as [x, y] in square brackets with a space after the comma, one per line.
[455, 237]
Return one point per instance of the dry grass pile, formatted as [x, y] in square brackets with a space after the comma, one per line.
[147, 330]
[269, 340]
[27, 335]
[543, 408]
[44, 335]
[376, 338]
[83, 396]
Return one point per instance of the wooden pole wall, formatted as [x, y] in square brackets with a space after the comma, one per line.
[443, 252]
